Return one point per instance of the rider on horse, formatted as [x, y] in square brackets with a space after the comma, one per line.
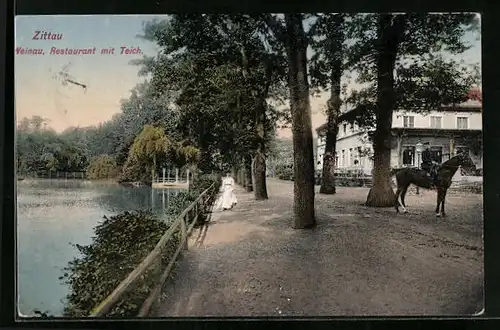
[428, 163]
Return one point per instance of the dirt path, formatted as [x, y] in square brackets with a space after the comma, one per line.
[357, 261]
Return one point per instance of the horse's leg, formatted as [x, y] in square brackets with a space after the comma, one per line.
[403, 194]
[442, 202]
[439, 199]
[396, 201]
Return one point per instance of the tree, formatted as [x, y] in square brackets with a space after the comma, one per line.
[223, 74]
[51, 160]
[150, 144]
[326, 71]
[280, 155]
[293, 37]
[40, 149]
[102, 167]
[399, 38]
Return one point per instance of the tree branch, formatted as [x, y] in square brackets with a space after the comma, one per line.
[277, 29]
[398, 27]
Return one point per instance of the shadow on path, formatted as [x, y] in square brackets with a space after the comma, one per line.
[357, 261]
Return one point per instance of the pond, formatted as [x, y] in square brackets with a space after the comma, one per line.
[51, 214]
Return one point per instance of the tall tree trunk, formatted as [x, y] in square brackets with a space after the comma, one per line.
[333, 110]
[296, 47]
[391, 28]
[235, 174]
[328, 173]
[248, 173]
[259, 159]
[257, 170]
[241, 180]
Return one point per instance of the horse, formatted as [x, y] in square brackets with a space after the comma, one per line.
[419, 177]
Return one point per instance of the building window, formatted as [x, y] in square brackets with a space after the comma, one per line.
[342, 161]
[436, 122]
[408, 156]
[408, 121]
[462, 122]
[351, 157]
[336, 160]
[344, 129]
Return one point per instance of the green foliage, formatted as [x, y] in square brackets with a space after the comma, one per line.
[151, 148]
[150, 143]
[102, 167]
[423, 79]
[214, 73]
[120, 243]
[280, 158]
[200, 184]
[179, 203]
[134, 171]
[40, 150]
[327, 39]
[203, 182]
[113, 137]
[285, 172]
[422, 85]
[221, 71]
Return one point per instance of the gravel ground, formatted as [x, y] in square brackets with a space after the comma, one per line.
[357, 261]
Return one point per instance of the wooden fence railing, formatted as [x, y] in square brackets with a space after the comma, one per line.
[183, 223]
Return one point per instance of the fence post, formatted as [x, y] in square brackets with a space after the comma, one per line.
[184, 232]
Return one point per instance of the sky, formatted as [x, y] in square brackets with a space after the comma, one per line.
[109, 77]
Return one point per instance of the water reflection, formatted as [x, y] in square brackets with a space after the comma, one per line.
[53, 213]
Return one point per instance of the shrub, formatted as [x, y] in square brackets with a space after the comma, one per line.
[202, 183]
[119, 244]
[133, 171]
[179, 203]
[102, 167]
[285, 172]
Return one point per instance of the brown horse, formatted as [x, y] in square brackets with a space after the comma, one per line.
[420, 178]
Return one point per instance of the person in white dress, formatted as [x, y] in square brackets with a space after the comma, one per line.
[227, 199]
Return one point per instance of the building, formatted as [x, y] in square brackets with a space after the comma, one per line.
[448, 131]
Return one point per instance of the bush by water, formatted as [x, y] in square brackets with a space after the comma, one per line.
[119, 244]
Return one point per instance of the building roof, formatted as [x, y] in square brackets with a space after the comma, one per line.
[474, 102]
[475, 94]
